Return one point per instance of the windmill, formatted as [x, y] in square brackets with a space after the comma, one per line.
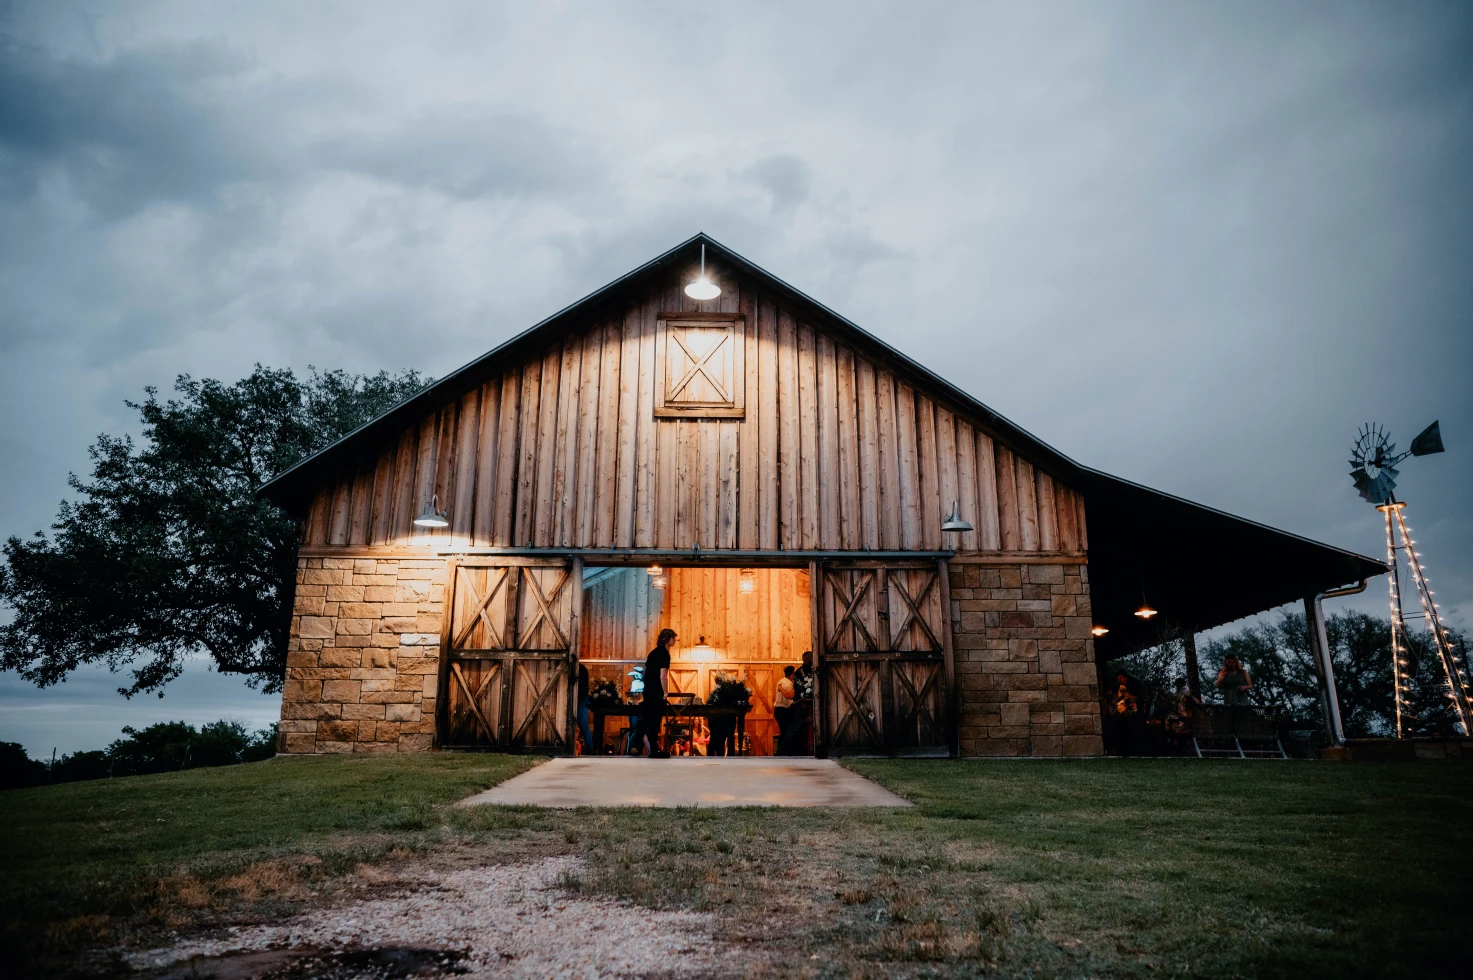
[1373, 462]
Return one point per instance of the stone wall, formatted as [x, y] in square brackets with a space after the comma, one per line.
[363, 661]
[1024, 658]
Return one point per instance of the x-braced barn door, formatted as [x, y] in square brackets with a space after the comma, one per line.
[507, 653]
[885, 659]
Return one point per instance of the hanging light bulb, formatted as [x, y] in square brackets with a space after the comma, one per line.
[433, 516]
[703, 651]
[747, 581]
[654, 570]
[1145, 611]
[702, 288]
[1098, 630]
[660, 581]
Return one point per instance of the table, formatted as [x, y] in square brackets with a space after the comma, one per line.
[602, 709]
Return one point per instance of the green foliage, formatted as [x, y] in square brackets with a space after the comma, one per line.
[17, 768]
[169, 551]
[1277, 657]
[728, 691]
[168, 746]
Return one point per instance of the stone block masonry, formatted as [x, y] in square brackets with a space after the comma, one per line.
[363, 662]
[1025, 669]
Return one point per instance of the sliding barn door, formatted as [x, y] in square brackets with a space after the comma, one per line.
[507, 654]
[885, 659]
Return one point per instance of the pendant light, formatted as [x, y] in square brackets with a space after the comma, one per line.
[433, 516]
[660, 581]
[654, 570]
[1146, 611]
[1098, 630]
[747, 581]
[702, 288]
[954, 523]
[703, 651]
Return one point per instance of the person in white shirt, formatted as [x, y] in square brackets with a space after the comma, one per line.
[782, 705]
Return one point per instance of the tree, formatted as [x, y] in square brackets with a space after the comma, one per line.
[18, 769]
[169, 552]
[1278, 658]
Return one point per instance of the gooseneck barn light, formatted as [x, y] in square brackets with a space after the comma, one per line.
[702, 288]
[954, 523]
[433, 516]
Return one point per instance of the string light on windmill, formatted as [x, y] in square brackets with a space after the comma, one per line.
[702, 288]
[1373, 461]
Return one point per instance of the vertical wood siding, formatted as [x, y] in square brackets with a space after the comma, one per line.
[563, 450]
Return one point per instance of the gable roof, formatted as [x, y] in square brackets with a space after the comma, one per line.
[283, 487]
[1113, 504]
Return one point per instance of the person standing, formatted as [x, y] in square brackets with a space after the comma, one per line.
[799, 738]
[1233, 681]
[782, 706]
[656, 683]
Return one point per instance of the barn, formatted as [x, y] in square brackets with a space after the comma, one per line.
[794, 484]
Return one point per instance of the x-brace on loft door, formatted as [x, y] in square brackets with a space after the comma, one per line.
[507, 653]
[886, 658]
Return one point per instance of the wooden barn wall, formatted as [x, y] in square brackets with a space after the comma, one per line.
[563, 450]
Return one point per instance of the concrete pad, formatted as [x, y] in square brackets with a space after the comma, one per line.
[688, 781]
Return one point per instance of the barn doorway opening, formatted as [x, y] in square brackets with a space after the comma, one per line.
[754, 623]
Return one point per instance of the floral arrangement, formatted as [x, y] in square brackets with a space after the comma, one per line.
[729, 692]
[604, 690]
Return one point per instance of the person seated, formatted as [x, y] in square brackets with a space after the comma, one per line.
[1184, 707]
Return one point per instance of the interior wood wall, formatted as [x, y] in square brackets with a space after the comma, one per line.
[623, 614]
[752, 635]
[563, 450]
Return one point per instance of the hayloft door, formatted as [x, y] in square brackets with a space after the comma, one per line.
[507, 653]
[884, 666]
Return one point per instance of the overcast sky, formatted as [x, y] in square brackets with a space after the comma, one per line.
[1195, 245]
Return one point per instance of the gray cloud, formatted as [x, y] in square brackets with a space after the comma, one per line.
[785, 177]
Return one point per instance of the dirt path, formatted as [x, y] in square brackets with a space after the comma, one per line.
[509, 920]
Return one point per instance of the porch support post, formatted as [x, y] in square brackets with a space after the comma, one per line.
[1324, 668]
[1194, 676]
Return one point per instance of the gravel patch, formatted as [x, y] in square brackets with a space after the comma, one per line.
[510, 920]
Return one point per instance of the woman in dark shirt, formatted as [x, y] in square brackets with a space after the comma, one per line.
[656, 679]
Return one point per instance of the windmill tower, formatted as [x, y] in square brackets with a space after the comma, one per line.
[1373, 461]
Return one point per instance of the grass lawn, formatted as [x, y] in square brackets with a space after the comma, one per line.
[1092, 868]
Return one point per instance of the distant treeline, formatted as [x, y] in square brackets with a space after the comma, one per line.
[168, 746]
[1277, 656]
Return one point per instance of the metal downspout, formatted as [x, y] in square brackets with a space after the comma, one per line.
[1314, 618]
